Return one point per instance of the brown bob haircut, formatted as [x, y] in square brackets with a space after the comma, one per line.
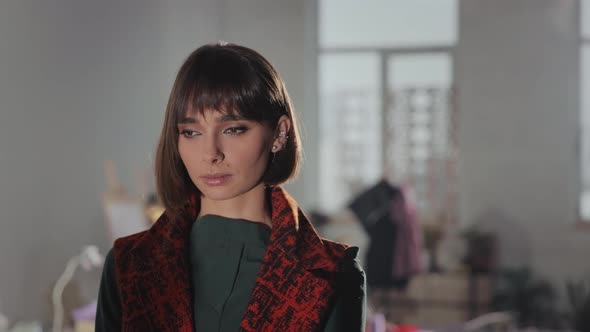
[230, 79]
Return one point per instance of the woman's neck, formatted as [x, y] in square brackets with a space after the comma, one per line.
[251, 206]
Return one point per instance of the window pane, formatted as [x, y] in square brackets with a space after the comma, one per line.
[419, 130]
[420, 70]
[350, 132]
[387, 23]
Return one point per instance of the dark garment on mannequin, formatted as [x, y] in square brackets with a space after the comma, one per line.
[373, 209]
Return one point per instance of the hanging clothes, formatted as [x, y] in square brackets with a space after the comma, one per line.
[408, 240]
[373, 209]
[395, 236]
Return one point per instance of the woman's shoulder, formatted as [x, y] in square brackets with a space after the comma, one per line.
[158, 230]
[349, 313]
[124, 244]
[347, 256]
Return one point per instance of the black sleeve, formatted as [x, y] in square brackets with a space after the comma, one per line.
[108, 311]
[349, 312]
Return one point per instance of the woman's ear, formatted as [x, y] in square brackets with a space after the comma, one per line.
[281, 134]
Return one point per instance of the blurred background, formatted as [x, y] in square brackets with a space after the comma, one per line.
[448, 139]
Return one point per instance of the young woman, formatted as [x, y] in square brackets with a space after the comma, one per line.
[232, 251]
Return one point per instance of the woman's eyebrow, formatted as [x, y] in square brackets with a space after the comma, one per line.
[187, 119]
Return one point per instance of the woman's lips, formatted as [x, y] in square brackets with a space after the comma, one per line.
[215, 179]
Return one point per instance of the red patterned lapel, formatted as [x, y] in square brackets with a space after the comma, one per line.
[293, 289]
[153, 275]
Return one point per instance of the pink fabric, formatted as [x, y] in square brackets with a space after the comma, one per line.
[408, 241]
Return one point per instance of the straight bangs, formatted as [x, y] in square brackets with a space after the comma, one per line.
[228, 84]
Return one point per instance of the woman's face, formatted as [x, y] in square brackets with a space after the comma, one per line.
[225, 155]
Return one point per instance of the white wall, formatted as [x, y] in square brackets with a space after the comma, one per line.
[81, 82]
[517, 71]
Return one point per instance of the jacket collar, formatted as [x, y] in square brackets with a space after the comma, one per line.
[154, 272]
[291, 233]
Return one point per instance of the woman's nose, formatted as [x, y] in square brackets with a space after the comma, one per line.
[213, 152]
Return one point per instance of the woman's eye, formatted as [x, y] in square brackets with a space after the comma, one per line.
[189, 133]
[235, 130]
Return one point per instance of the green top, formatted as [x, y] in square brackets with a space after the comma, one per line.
[226, 255]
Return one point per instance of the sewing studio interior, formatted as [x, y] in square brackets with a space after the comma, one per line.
[315, 165]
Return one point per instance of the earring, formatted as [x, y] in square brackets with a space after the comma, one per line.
[274, 149]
